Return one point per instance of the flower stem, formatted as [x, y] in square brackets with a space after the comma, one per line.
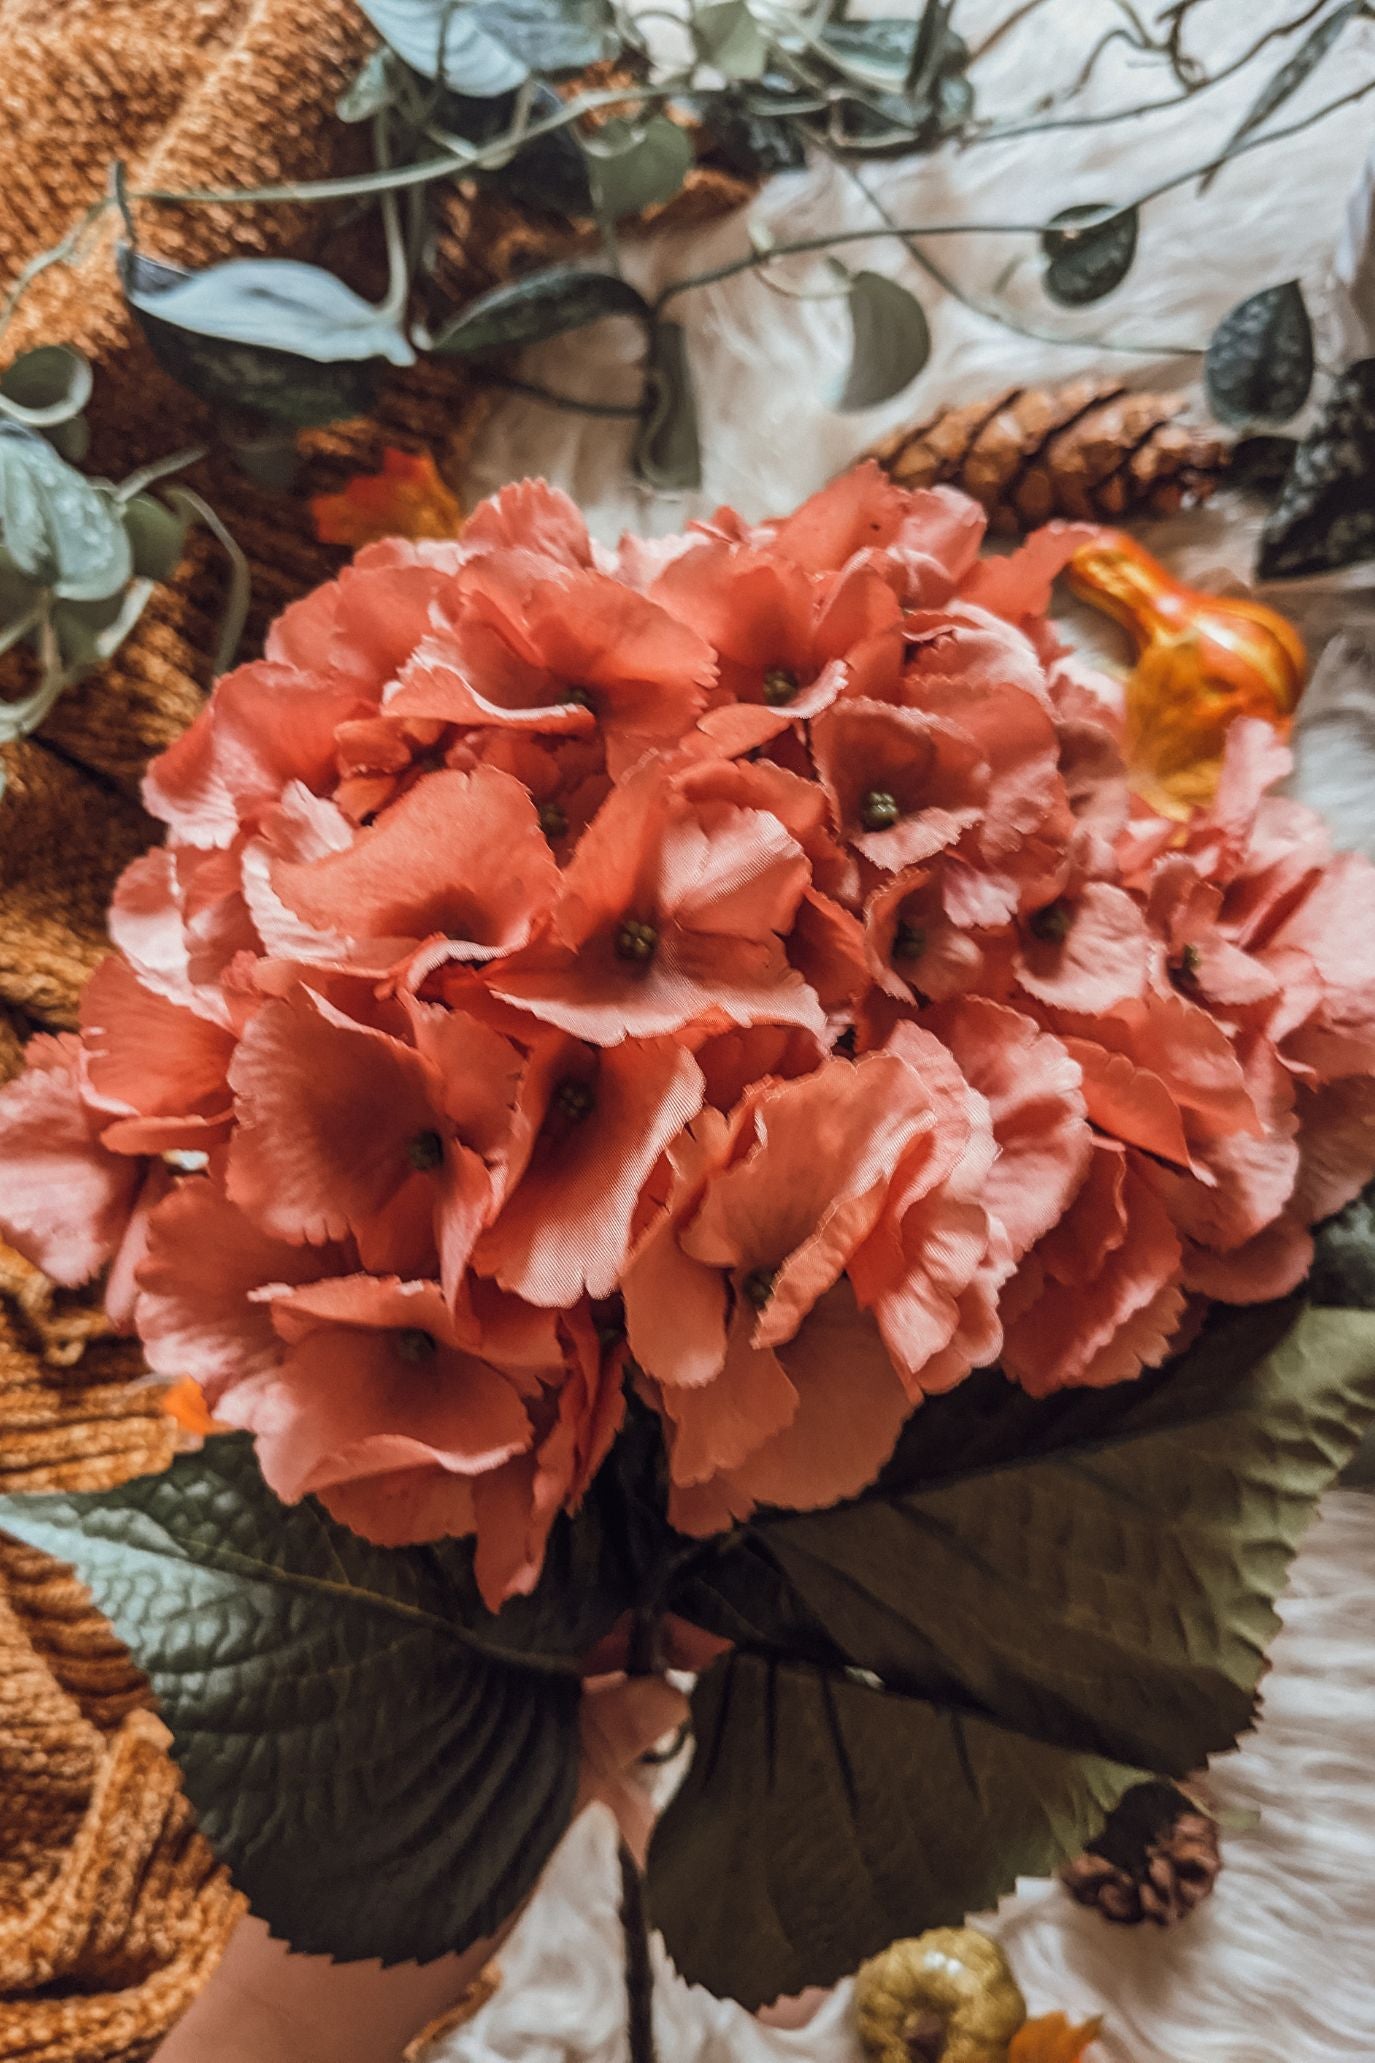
[639, 1968]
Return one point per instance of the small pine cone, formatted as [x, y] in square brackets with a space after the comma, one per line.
[1092, 451]
[1156, 1859]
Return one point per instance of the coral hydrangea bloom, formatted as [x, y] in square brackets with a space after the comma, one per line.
[729, 970]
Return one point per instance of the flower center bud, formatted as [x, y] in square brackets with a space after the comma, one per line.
[416, 1346]
[1184, 970]
[637, 941]
[553, 821]
[879, 810]
[757, 1286]
[909, 942]
[425, 1152]
[1052, 923]
[579, 697]
[780, 685]
[574, 1099]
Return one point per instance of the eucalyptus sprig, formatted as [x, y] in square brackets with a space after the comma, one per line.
[497, 91]
[80, 557]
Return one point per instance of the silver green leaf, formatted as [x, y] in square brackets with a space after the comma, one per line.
[373, 88]
[46, 387]
[892, 341]
[636, 165]
[729, 37]
[1325, 515]
[1088, 251]
[157, 536]
[487, 47]
[668, 451]
[540, 304]
[1259, 366]
[59, 528]
[288, 341]
[379, 1782]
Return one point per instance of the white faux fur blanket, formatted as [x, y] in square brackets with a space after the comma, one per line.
[1280, 1966]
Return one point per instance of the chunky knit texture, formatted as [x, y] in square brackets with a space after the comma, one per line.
[112, 1909]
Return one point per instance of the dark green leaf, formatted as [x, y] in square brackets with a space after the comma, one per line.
[1259, 366]
[293, 344]
[1088, 251]
[668, 452]
[57, 527]
[891, 341]
[1325, 515]
[880, 51]
[378, 1784]
[636, 165]
[157, 536]
[1287, 80]
[822, 1817]
[1261, 464]
[45, 387]
[542, 304]
[90, 633]
[1052, 1594]
[752, 141]
[492, 46]
[729, 37]
[374, 88]
[1344, 1261]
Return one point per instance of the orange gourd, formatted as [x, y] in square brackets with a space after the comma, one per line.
[1203, 660]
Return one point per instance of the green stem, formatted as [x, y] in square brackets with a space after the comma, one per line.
[835, 239]
[58, 255]
[398, 268]
[458, 159]
[570, 403]
[240, 579]
[996, 133]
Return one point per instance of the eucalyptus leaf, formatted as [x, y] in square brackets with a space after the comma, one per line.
[492, 46]
[1037, 1599]
[1088, 251]
[636, 165]
[892, 341]
[1292, 74]
[377, 1781]
[90, 633]
[58, 527]
[729, 37]
[541, 304]
[1325, 515]
[1259, 366]
[157, 536]
[373, 89]
[297, 350]
[668, 452]
[46, 387]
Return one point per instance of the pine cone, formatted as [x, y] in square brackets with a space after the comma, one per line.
[1091, 450]
[1156, 1859]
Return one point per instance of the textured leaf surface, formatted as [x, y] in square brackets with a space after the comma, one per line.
[1259, 366]
[58, 529]
[491, 46]
[1325, 515]
[1088, 252]
[542, 304]
[823, 1817]
[1052, 1595]
[381, 1781]
[294, 350]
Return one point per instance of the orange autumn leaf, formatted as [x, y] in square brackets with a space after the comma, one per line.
[1052, 2038]
[408, 498]
[185, 1402]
